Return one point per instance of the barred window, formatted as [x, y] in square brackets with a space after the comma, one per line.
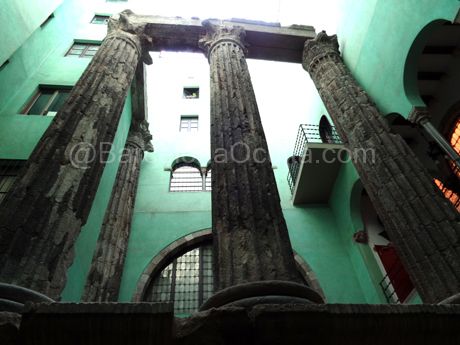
[187, 281]
[9, 170]
[208, 184]
[186, 179]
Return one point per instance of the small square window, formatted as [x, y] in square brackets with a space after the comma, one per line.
[191, 92]
[100, 19]
[47, 101]
[188, 124]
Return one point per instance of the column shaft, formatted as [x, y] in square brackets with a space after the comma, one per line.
[104, 278]
[251, 241]
[42, 216]
[422, 225]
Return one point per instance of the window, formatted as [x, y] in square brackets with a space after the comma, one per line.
[188, 124]
[9, 170]
[100, 19]
[207, 182]
[47, 101]
[188, 176]
[449, 194]
[186, 179]
[191, 92]
[83, 50]
[187, 281]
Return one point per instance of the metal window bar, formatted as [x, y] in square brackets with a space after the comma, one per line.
[307, 134]
[387, 285]
[186, 179]
[187, 282]
[9, 170]
[208, 184]
[449, 194]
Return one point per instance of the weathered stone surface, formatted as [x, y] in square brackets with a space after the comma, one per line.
[417, 217]
[104, 278]
[353, 324]
[42, 216]
[9, 328]
[251, 241]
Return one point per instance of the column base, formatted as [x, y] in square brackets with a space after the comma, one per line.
[454, 299]
[13, 297]
[263, 292]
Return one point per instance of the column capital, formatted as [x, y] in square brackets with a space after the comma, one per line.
[321, 46]
[419, 115]
[217, 34]
[139, 136]
[127, 25]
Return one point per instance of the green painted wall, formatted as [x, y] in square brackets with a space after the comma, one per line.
[375, 38]
[20, 18]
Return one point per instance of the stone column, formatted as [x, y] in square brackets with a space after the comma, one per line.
[251, 241]
[421, 223]
[104, 278]
[42, 216]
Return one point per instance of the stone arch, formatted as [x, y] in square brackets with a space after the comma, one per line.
[182, 244]
[185, 161]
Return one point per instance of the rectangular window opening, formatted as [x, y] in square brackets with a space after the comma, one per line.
[47, 100]
[188, 123]
[83, 50]
[100, 19]
[191, 92]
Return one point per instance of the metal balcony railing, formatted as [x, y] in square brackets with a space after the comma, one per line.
[308, 134]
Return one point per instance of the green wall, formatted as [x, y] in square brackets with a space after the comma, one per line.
[375, 38]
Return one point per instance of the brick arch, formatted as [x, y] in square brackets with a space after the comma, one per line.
[171, 251]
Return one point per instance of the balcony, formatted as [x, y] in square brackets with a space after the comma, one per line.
[315, 163]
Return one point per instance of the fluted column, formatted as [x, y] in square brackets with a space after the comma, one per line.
[104, 278]
[49, 203]
[251, 241]
[422, 225]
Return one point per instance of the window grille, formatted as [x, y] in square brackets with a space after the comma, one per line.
[208, 184]
[186, 179]
[187, 281]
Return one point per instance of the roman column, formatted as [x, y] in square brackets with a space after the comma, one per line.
[251, 241]
[42, 216]
[421, 223]
[104, 278]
